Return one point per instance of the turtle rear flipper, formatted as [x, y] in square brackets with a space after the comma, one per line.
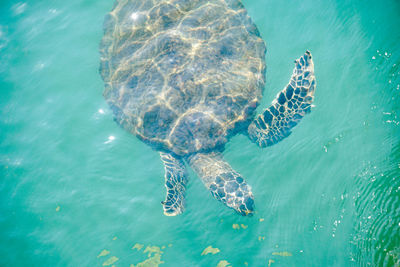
[175, 183]
[290, 105]
[225, 184]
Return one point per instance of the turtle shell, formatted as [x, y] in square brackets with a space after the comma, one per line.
[182, 75]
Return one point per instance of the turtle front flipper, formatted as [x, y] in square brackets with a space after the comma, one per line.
[225, 184]
[290, 105]
[175, 183]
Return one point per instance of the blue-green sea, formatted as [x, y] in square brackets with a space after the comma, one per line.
[77, 190]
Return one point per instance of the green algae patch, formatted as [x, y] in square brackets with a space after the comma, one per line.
[138, 246]
[152, 249]
[153, 261]
[235, 226]
[105, 252]
[223, 263]
[110, 261]
[283, 254]
[154, 254]
[210, 250]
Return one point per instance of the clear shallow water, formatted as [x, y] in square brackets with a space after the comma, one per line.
[74, 184]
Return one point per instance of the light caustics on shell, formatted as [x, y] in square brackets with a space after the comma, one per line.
[172, 65]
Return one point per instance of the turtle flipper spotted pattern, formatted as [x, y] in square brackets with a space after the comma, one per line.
[290, 105]
[224, 183]
[175, 183]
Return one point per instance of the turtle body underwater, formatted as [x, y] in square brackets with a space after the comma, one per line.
[185, 76]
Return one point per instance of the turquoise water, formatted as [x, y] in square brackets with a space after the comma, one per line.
[76, 190]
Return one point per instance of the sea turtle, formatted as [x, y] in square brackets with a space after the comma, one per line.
[186, 75]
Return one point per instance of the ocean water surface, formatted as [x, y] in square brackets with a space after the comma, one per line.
[77, 190]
